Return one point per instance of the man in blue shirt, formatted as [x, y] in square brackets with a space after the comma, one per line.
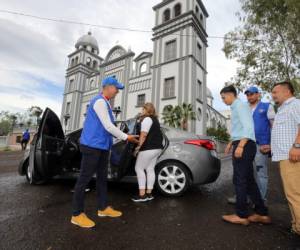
[263, 117]
[244, 150]
[95, 143]
[25, 139]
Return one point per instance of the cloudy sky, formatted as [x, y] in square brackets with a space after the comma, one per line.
[34, 52]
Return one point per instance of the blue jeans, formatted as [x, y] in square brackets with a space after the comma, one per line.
[93, 161]
[261, 167]
[244, 181]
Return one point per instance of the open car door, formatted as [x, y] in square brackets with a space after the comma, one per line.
[46, 159]
[121, 157]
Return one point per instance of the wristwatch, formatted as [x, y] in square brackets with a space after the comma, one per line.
[296, 145]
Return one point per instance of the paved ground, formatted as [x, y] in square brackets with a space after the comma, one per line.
[37, 217]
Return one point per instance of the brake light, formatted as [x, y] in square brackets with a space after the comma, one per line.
[209, 145]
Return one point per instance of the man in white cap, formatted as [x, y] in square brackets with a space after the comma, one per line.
[95, 143]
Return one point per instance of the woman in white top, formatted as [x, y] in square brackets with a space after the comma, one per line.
[148, 151]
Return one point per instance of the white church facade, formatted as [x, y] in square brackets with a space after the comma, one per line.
[173, 73]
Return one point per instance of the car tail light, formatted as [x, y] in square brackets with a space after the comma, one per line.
[208, 144]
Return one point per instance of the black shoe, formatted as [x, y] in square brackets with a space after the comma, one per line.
[150, 197]
[139, 198]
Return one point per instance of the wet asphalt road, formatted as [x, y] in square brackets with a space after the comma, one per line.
[38, 217]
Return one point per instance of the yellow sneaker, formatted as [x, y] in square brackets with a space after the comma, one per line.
[82, 220]
[109, 212]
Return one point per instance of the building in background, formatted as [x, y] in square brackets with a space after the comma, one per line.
[173, 73]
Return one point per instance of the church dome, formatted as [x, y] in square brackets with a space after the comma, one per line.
[209, 93]
[87, 40]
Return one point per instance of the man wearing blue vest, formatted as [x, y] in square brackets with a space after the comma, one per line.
[25, 139]
[95, 143]
[263, 117]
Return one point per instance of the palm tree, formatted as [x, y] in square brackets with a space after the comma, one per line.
[168, 116]
[187, 114]
[178, 116]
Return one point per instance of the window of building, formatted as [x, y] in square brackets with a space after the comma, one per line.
[92, 83]
[76, 60]
[177, 10]
[166, 15]
[199, 52]
[201, 17]
[71, 85]
[95, 64]
[197, 10]
[199, 89]
[72, 62]
[68, 108]
[169, 87]
[170, 50]
[143, 68]
[199, 114]
[141, 100]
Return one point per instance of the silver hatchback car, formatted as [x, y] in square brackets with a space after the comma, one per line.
[187, 159]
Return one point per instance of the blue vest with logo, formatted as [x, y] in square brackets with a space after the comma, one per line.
[94, 134]
[262, 124]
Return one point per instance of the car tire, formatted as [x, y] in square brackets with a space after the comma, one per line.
[172, 178]
[31, 175]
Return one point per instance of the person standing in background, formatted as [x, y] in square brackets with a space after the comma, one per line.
[285, 144]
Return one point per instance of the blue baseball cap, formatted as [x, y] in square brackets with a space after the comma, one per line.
[252, 90]
[112, 81]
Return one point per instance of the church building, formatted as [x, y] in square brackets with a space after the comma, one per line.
[173, 73]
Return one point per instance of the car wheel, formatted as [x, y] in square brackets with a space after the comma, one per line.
[28, 173]
[31, 176]
[173, 179]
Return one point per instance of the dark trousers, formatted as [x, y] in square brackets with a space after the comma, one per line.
[24, 143]
[244, 182]
[93, 161]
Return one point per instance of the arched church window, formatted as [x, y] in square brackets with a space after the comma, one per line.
[201, 17]
[72, 62]
[166, 15]
[95, 64]
[143, 68]
[197, 10]
[199, 114]
[76, 60]
[177, 10]
[92, 83]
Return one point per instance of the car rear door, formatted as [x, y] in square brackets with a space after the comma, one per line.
[121, 153]
[50, 141]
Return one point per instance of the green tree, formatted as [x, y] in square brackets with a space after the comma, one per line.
[178, 116]
[35, 111]
[266, 44]
[220, 133]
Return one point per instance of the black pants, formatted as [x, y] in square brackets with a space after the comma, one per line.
[244, 182]
[24, 143]
[93, 161]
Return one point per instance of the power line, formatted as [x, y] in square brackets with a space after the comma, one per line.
[94, 25]
[118, 28]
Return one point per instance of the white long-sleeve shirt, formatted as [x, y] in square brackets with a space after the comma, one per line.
[101, 110]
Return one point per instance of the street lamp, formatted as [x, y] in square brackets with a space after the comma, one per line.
[117, 111]
[66, 118]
